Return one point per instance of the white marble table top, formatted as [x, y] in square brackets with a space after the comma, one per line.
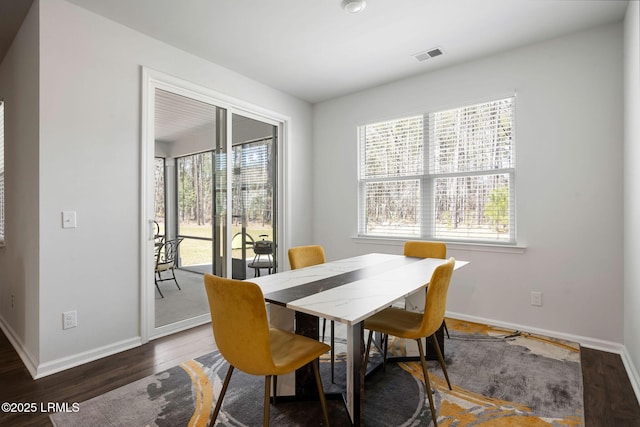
[380, 280]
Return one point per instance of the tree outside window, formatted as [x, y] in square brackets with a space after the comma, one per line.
[446, 175]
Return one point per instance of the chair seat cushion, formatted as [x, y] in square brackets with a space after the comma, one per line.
[291, 351]
[164, 266]
[397, 322]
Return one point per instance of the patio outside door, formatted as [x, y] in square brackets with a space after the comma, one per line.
[254, 195]
[196, 168]
[199, 220]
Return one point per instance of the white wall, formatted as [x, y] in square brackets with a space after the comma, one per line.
[632, 189]
[90, 115]
[569, 181]
[569, 201]
[19, 260]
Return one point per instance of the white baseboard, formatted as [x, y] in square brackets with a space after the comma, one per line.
[631, 372]
[596, 344]
[42, 370]
[28, 361]
[78, 359]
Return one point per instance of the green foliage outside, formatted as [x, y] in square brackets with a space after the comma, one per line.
[497, 209]
[195, 252]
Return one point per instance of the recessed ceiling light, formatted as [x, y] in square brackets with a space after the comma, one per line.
[354, 6]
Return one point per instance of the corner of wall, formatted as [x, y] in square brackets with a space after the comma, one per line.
[19, 347]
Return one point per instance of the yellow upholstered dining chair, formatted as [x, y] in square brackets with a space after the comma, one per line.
[243, 336]
[411, 325]
[422, 249]
[307, 256]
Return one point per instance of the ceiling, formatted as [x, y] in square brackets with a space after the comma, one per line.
[314, 50]
[179, 119]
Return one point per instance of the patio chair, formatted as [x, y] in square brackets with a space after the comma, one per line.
[167, 260]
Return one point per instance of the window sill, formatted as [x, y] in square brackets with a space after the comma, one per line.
[458, 246]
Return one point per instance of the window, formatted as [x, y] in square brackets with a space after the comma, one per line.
[1, 172]
[159, 191]
[446, 175]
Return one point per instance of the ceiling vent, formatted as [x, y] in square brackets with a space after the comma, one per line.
[431, 53]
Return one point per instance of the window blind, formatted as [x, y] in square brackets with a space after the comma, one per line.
[471, 162]
[392, 149]
[392, 160]
[445, 175]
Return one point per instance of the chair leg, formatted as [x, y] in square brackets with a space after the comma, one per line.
[427, 383]
[385, 341]
[385, 349]
[323, 401]
[275, 388]
[267, 388]
[333, 350]
[333, 345]
[441, 359]
[222, 392]
[159, 291]
[174, 279]
[366, 352]
[444, 323]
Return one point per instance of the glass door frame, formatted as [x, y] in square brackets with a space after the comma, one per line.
[152, 80]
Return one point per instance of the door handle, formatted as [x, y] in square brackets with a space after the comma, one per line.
[151, 230]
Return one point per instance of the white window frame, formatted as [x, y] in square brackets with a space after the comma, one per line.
[426, 226]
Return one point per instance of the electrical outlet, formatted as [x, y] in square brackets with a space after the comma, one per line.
[69, 319]
[13, 300]
[536, 298]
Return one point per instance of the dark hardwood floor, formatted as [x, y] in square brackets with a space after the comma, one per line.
[609, 399]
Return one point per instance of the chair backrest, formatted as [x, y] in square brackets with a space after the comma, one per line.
[436, 300]
[306, 256]
[168, 252]
[240, 324]
[422, 249]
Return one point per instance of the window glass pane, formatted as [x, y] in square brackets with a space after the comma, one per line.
[472, 138]
[392, 208]
[159, 194]
[467, 186]
[252, 195]
[195, 195]
[392, 149]
[473, 207]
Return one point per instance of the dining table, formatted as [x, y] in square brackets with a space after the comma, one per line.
[347, 291]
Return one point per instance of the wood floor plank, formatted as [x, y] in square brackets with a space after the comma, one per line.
[94, 378]
[609, 398]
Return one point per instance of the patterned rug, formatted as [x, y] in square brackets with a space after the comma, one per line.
[499, 377]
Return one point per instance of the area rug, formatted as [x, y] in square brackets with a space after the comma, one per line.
[499, 377]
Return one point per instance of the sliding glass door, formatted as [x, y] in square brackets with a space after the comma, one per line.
[253, 198]
[205, 154]
[195, 211]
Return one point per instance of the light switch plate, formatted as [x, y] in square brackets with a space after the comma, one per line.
[69, 219]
